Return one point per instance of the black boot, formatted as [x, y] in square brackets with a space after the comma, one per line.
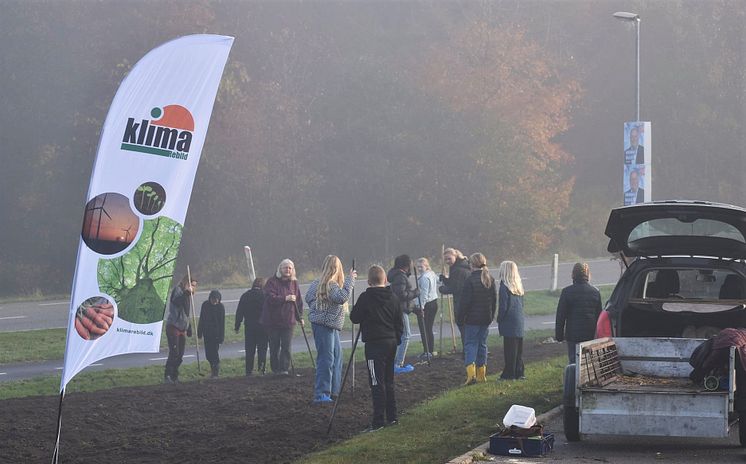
[215, 368]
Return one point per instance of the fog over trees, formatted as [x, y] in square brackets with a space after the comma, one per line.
[370, 129]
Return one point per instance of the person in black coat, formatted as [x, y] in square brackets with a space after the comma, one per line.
[458, 272]
[478, 306]
[379, 314]
[577, 310]
[249, 311]
[398, 278]
[212, 327]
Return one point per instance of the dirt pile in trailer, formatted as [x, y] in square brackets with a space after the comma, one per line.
[231, 420]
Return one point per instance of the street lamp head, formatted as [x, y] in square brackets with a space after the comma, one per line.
[626, 16]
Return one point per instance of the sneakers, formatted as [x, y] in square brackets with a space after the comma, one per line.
[403, 369]
[392, 423]
[170, 380]
[283, 373]
[425, 357]
[324, 398]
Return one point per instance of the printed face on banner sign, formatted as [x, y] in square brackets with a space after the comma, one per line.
[634, 181]
[634, 152]
[169, 134]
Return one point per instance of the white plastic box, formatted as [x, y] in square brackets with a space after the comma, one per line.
[520, 416]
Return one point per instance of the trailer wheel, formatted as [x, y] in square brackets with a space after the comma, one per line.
[571, 414]
[571, 422]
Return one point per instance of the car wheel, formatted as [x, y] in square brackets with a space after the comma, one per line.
[571, 414]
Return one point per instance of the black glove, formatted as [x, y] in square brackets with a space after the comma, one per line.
[442, 278]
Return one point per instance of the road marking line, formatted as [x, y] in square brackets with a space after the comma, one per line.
[58, 368]
[52, 304]
[96, 364]
[242, 351]
[3, 373]
[549, 323]
[12, 317]
[189, 356]
[158, 359]
[229, 301]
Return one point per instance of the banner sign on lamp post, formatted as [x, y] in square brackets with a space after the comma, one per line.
[637, 180]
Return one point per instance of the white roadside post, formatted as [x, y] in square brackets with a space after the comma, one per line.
[555, 271]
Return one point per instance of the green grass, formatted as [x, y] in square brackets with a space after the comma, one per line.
[153, 375]
[49, 344]
[453, 423]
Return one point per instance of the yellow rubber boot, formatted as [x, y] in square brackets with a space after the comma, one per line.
[481, 373]
[471, 374]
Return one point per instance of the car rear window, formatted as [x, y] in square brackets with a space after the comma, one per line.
[664, 227]
[693, 284]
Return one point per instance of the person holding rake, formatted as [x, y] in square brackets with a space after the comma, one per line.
[327, 299]
[380, 316]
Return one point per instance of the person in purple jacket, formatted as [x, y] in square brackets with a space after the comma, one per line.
[281, 310]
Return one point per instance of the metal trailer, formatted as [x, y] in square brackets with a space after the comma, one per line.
[641, 386]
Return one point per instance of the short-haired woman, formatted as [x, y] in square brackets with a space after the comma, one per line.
[283, 305]
[510, 319]
[577, 310]
[478, 305]
[327, 299]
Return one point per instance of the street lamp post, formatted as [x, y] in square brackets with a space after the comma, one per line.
[625, 16]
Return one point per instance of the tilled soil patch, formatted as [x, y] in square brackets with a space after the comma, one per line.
[231, 420]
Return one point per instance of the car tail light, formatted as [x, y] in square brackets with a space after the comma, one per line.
[603, 325]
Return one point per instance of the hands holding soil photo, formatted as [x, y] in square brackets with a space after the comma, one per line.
[94, 317]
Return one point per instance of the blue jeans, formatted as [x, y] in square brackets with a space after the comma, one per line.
[328, 362]
[401, 351]
[475, 344]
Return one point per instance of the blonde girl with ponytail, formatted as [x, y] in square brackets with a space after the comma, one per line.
[478, 306]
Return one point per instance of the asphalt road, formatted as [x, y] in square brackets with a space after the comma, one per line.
[35, 315]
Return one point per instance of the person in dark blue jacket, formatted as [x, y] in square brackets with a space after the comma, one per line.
[510, 319]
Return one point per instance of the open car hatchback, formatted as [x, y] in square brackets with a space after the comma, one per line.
[686, 274]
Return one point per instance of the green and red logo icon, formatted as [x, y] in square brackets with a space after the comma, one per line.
[168, 134]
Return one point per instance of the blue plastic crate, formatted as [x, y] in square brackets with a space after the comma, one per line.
[521, 446]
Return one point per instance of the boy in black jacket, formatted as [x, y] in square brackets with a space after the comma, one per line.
[255, 338]
[380, 317]
[212, 327]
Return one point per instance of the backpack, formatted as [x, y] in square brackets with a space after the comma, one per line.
[698, 358]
